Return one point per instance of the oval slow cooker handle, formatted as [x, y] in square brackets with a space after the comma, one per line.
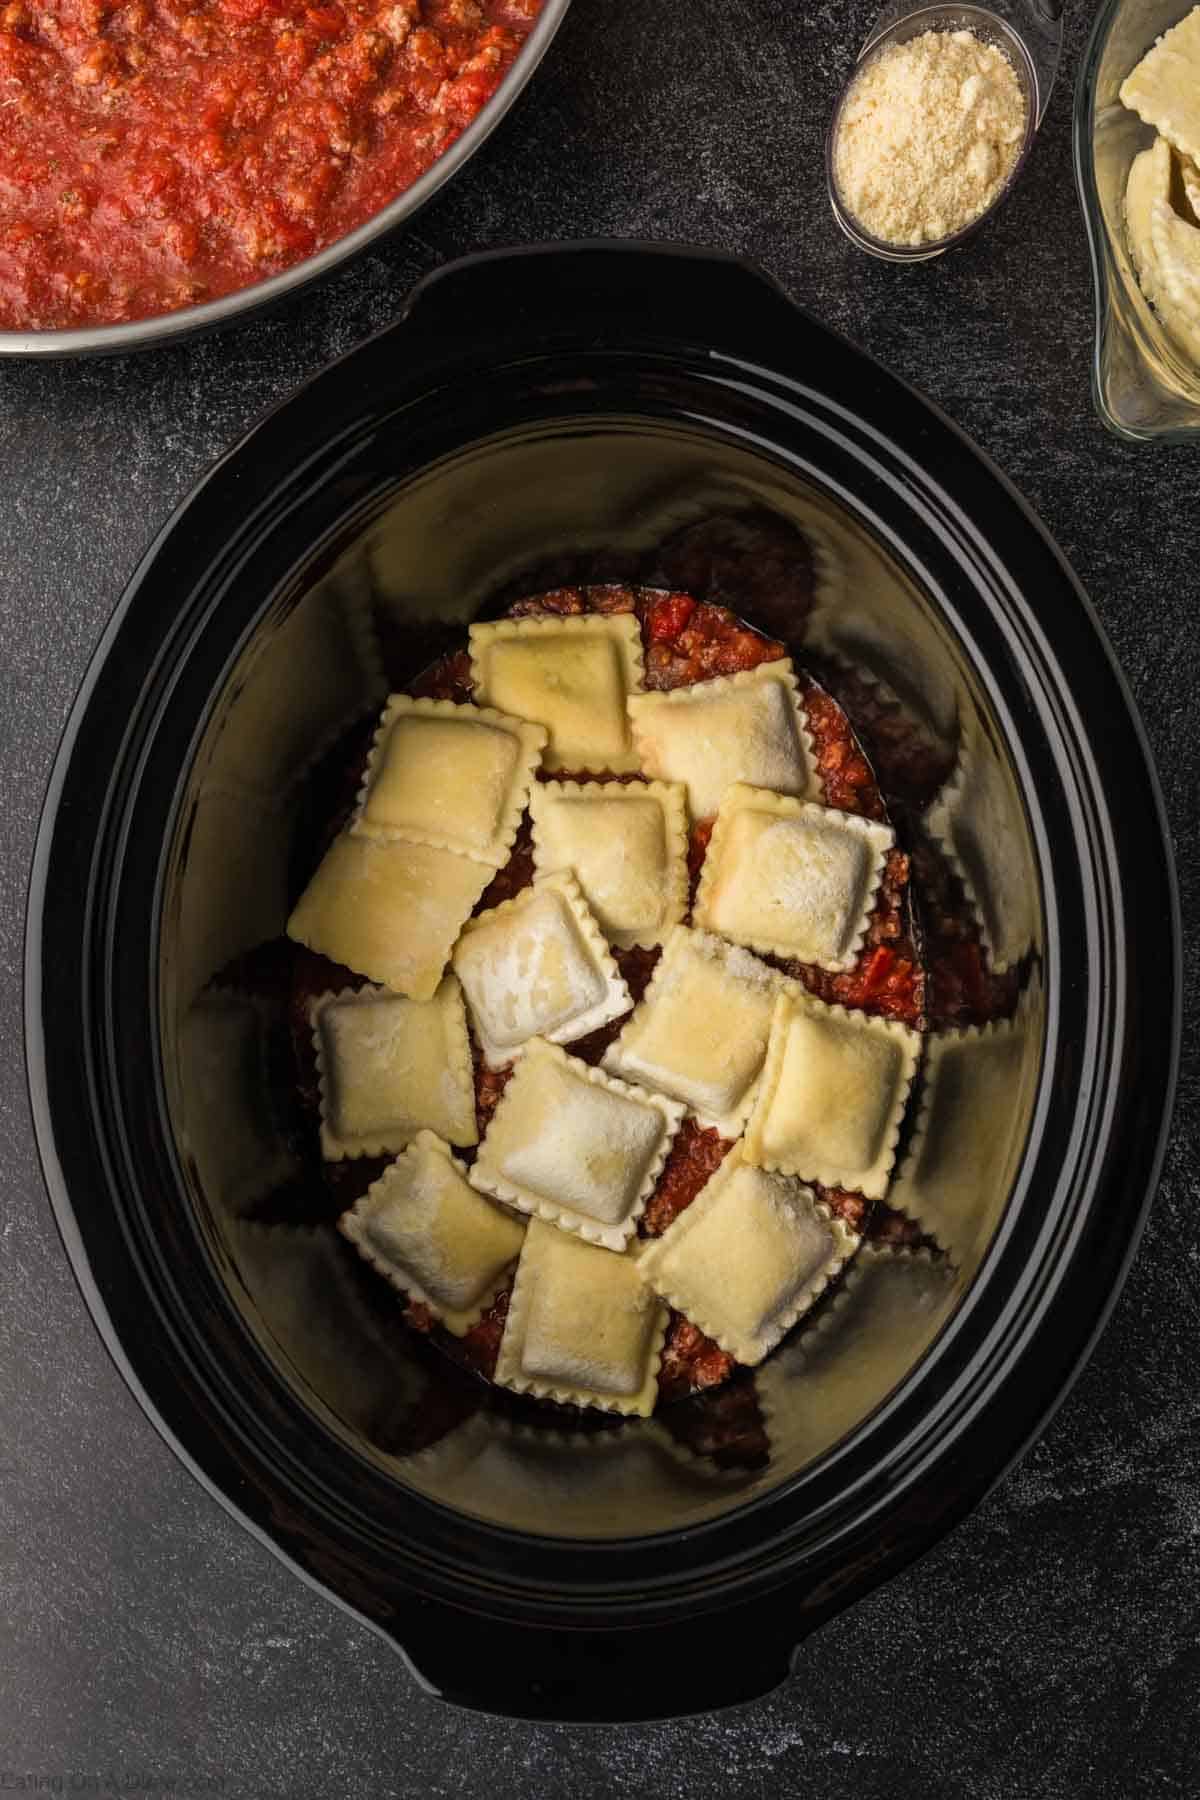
[716, 1660]
[629, 290]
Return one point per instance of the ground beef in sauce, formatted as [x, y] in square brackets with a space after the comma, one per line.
[910, 762]
[158, 155]
[691, 1362]
[696, 1154]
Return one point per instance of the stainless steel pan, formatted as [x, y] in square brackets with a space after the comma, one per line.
[143, 334]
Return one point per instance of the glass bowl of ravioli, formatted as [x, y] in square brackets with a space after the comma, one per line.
[1137, 140]
[548, 966]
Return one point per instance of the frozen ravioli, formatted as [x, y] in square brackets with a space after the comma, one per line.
[1164, 88]
[1149, 183]
[1164, 245]
[582, 1328]
[1176, 253]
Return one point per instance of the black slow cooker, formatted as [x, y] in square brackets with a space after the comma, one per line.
[534, 416]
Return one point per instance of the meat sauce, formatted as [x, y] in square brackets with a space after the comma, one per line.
[158, 153]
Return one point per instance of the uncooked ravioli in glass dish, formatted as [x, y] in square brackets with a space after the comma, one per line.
[1162, 195]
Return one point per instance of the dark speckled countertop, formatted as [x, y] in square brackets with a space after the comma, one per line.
[1052, 1645]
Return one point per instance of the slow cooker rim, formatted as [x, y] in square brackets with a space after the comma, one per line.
[38, 899]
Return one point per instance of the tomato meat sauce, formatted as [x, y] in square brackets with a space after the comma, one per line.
[159, 153]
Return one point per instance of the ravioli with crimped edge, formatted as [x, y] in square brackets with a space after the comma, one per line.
[1162, 192]
[624, 1016]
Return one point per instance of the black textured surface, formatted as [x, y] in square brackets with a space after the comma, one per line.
[1052, 1645]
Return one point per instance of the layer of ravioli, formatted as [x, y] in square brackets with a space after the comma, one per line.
[612, 1095]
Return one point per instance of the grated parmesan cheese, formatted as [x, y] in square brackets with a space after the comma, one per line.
[928, 135]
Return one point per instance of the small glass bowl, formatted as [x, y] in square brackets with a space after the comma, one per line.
[1144, 388]
[992, 29]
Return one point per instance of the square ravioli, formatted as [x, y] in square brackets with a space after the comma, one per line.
[575, 1147]
[453, 776]
[746, 727]
[582, 1327]
[1163, 87]
[428, 1232]
[627, 844]
[537, 966]
[833, 1094]
[700, 1031]
[790, 878]
[390, 1067]
[573, 676]
[748, 1257]
[388, 910]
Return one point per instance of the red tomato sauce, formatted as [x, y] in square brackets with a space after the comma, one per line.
[687, 641]
[697, 1153]
[158, 153]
